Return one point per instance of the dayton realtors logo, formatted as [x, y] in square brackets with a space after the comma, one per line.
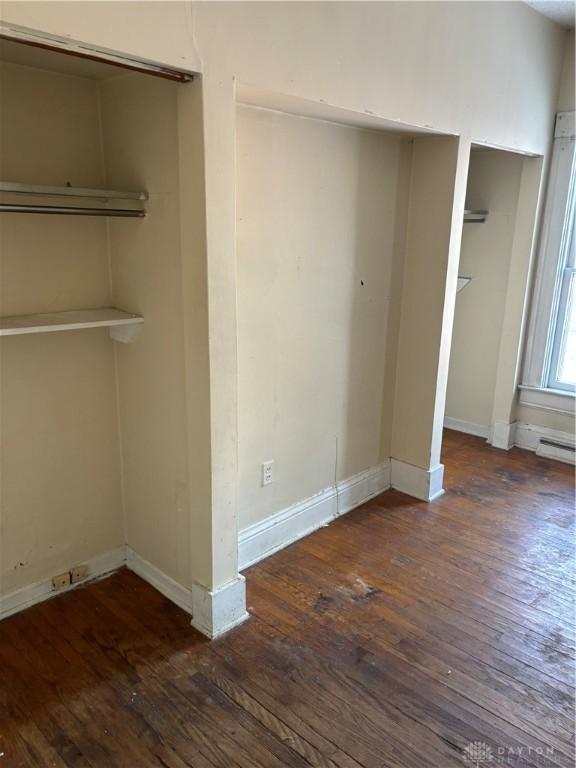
[477, 753]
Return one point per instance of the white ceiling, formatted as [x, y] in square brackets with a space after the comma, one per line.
[560, 11]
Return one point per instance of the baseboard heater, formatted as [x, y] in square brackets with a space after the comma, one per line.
[551, 449]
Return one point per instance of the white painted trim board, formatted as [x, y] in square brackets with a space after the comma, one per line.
[26, 597]
[468, 427]
[98, 567]
[423, 484]
[283, 528]
[528, 436]
[217, 612]
[212, 613]
[166, 585]
[520, 435]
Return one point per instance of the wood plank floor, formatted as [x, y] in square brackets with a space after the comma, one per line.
[398, 636]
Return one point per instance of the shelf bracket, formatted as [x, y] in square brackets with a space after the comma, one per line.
[125, 334]
[462, 282]
[475, 217]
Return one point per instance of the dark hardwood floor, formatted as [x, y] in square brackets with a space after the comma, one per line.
[399, 636]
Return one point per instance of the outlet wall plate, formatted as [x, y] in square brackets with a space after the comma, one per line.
[268, 472]
[61, 580]
[78, 573]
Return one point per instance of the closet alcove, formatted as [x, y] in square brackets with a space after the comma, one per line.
[93, 442]
[351, 194]
[492, 197]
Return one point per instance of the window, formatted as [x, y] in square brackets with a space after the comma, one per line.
[562, 369]
[550, 363]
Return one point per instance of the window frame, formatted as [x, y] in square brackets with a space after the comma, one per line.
[554, 273]
[566, 280]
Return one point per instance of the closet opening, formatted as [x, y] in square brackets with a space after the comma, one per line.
[92, 381]
[487, 278]
[323, 198]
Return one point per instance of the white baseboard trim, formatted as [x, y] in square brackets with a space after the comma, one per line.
[469, 428]
[166, 585]
[262, 539]
[528, 436]
[503, 435]
[26, 597]
[213, 613]
[219, 611]
[424, 484]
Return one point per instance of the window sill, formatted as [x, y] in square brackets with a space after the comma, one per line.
[556, 400]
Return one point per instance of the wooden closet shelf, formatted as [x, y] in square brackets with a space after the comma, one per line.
[123, 325]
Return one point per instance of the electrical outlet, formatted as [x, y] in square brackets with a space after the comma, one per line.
[78, 573]
[61, 581]
[267, 472]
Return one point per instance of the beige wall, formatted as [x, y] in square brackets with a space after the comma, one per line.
[434, 231]
[426, 55]
[490, 69]
[436, 50]
[566, 94]
[487, 71]
[159, 31]
[139, 123]
[493, 185]
[60, 497]
[317, 210]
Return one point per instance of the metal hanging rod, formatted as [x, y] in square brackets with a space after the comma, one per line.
[67, 191]
[71, 210]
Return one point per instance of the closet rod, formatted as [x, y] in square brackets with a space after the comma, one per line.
[60, 209]
[42, 189]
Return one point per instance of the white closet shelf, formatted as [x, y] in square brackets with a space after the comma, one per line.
[478, 217]
[123, 325]
[99, 194]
